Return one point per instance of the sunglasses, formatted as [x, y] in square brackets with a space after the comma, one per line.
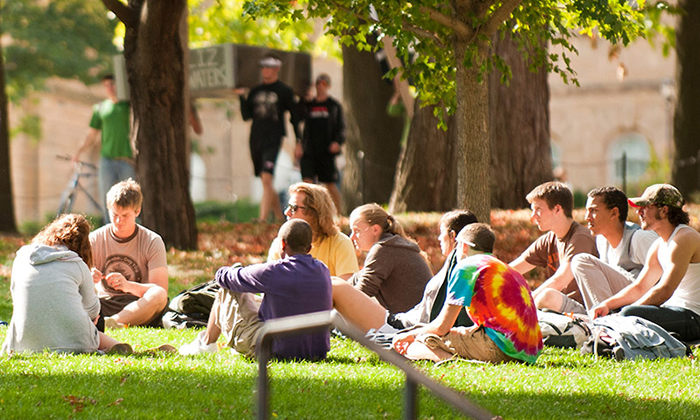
[292, 208]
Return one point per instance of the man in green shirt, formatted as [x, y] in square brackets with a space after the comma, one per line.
[111, 118]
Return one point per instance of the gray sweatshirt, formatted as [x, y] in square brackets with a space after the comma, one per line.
[53, 300]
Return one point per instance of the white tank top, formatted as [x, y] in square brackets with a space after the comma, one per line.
[687, 294]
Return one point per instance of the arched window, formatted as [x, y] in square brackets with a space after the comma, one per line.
[638, 155]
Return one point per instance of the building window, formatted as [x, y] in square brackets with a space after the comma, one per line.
[556, 154]
[638, 155]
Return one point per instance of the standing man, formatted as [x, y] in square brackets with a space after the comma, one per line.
[266, 105]
[622, 247]
[324, 133]
[131, 272]
[111, 119]
[552, 206]
[667, 291]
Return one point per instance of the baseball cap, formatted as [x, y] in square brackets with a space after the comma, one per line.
[270, 61]
[324, 77]
[662, 194]
[478, 236]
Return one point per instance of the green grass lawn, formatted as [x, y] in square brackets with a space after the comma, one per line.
[351, 384]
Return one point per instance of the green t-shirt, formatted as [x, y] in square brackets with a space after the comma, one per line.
[113, 120]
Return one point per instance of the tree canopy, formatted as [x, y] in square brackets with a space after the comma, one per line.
[422, 31]
[71, 39]
[446, 51]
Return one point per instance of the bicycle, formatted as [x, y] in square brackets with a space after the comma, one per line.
[74, 186]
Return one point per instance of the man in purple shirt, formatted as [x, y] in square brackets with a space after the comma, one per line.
[297, 284]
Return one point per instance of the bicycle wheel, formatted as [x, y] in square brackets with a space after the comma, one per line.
[67, 204]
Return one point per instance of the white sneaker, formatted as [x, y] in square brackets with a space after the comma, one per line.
[198, 346]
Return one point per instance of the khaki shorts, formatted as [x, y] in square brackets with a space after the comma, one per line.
[236, 314]
[468, 342]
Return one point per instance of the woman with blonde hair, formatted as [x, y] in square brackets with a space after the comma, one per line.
[395, 272]
[53, 295]
[313, 204]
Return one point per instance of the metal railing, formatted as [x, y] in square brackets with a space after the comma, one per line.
[323, 320]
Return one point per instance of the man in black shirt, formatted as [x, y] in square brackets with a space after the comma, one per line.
[266, 105]
[324, 132]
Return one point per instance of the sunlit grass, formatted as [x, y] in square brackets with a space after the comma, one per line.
[351, 384]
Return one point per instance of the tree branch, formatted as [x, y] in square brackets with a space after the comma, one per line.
[499, 16]
[416, 30]
[459, 27]
[122, 11]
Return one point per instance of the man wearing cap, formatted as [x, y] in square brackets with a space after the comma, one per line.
[667, 291]
[622, 246]
[266, 105]
[324, 133]
[496, 297]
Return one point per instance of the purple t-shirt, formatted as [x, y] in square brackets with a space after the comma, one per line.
[294, 285]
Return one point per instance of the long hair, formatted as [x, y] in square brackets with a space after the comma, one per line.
[71, 231]
[374, 214]
[677, 216]
[318, 201]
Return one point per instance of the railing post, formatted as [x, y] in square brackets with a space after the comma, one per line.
[624, 172]
[263, 382]
[411, 402]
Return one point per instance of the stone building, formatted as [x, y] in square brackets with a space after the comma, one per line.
[624, 105]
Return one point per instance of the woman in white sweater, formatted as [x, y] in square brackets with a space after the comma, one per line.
[53, 295]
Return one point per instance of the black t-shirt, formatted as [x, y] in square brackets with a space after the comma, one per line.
[266, 105]
[323, 124]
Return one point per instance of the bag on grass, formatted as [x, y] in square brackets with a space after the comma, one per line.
[631, 337]
[191, 308]
[560, 330]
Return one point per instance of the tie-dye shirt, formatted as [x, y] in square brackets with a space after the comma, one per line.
[499, 299]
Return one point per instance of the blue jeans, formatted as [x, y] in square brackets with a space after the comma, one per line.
[671, 318]
[111, 172]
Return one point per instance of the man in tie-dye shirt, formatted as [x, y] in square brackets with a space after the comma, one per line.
[497, 299]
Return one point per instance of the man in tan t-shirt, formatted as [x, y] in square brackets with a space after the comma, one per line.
[552, 206]
[131, 272]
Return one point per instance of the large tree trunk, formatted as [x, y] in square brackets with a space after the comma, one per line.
[155, 68]
[373, 138]
[521, 156]
[686, 124]
[472, 136]
[7, 206]
[425, 178]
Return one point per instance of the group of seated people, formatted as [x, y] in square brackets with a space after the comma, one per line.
[476, 306]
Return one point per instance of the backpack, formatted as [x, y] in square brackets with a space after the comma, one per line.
[563, 331]
[631, 337]
[191, 307]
